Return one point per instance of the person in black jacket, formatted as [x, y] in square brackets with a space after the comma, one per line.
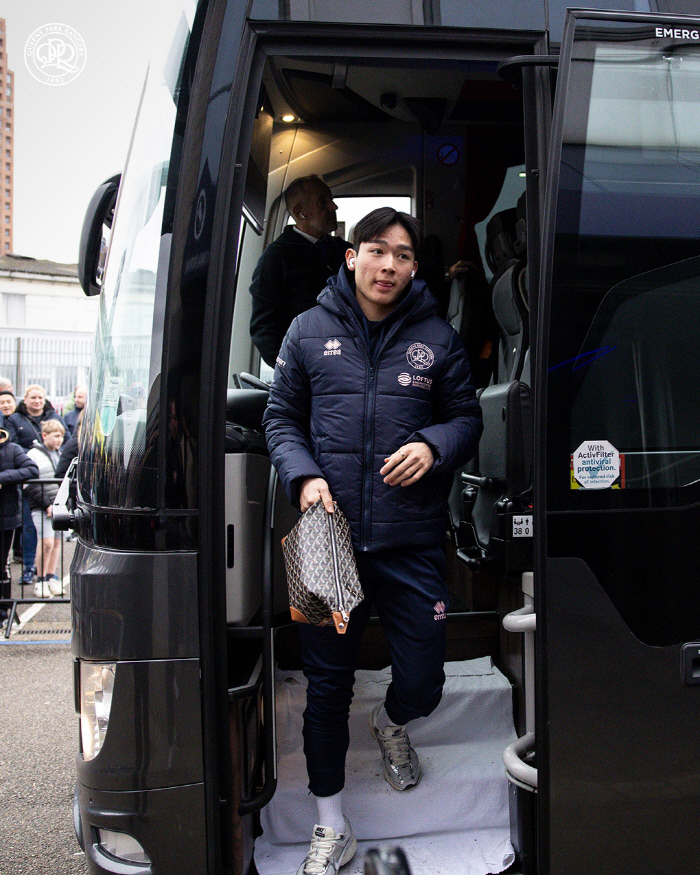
[372, 406]
[15, 468]
[70, 420]
[294, 268]
[24, 427]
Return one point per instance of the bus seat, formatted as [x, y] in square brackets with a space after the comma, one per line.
[506, 252]
[247, 469]
[470, 313]
[501, 487]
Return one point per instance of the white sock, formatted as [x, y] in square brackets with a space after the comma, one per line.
[383, 721]
[330, 812]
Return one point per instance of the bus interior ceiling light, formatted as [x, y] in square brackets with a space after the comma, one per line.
[122, 846]
[96, 687]
[288, 118]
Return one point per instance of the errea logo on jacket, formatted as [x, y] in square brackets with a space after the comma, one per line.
[332, 347]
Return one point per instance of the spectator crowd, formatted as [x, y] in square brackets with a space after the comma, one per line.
[36, 443]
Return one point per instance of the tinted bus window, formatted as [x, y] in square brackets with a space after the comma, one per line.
[625, 284]
[119, 464]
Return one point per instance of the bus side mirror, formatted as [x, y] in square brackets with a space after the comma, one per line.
[95, 236]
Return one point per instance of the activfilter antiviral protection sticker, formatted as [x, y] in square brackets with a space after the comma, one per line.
[597, 465]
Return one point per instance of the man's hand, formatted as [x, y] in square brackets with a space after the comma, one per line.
[312, 489]
[407, 464]
[49, 510]
[459, 267]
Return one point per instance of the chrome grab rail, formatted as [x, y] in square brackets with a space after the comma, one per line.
[522, 620]
[513, 759]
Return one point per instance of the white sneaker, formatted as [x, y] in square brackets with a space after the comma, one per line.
[55, 585]
[328, 851]
[399, 760]
[42, 589]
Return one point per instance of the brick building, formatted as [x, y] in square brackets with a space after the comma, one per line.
[7, 121]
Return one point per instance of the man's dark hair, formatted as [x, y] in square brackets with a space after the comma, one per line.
[375, 223]
[298, 186]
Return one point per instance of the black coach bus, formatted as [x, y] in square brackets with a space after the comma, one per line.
[558, 149]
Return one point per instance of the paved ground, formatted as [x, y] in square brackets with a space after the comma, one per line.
[38, 743]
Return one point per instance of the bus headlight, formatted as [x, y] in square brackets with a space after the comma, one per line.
[96, 687]
[122, 846]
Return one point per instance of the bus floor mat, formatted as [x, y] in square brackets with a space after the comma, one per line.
[455, 822]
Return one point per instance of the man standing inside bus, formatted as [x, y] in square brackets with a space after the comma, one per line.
[372, 406]
[295, 267]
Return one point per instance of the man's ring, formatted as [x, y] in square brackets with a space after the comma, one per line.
[403, 454]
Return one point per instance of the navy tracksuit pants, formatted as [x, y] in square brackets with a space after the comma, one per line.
[407, 586]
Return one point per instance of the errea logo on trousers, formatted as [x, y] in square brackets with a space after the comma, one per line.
[332, 347]
[440, 612]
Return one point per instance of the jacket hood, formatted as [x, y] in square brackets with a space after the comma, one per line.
[339, 297]
[22, 408]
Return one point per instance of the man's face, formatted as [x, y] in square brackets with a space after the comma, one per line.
[53, 440]
[7, 405]
[382, 271]
[34, 402]
[317, 210]
[79, 397]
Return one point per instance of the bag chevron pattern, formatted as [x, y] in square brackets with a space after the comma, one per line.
[322, 577]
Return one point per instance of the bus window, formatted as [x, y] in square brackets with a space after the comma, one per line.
[625, 271]
[119, 466]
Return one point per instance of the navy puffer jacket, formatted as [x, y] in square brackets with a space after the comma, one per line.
[24, 429]
[336, 412]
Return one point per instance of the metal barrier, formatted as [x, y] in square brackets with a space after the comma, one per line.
[13, 541]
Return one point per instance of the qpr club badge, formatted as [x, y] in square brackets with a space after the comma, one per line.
[420, 356]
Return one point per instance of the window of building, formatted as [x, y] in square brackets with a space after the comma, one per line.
[8, 180]
[8, 92]
[7, 220]
[8, 167]
[9, 77]
[7, 232]
[7, 247]
[7, 192]
[8, 153]
[14, 307]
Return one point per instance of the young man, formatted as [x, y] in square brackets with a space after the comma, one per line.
[372, 406]
[295, 267]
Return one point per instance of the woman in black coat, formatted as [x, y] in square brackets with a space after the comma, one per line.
[15, 468]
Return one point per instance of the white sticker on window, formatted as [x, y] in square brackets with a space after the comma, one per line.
[110, 401]
[595, 465]
[522, 526]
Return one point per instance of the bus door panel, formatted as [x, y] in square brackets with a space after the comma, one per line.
[617, 476]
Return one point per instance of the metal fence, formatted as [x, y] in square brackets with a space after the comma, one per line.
[24, 579]
[58, 364]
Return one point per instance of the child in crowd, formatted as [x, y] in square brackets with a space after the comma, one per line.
[41, 497]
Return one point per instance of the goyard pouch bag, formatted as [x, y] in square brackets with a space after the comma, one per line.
[321, 572]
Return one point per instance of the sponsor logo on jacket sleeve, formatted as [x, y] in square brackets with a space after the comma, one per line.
[420, 356]
[281, 362]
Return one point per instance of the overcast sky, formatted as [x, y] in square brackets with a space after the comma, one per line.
[70, 138]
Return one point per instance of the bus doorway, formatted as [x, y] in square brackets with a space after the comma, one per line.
[447, 137]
